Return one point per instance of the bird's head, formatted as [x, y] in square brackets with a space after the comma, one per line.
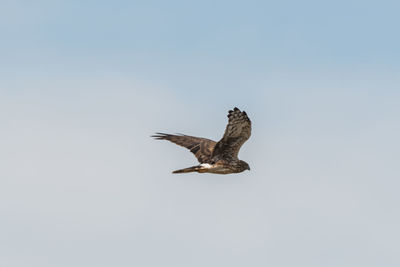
[244, 165]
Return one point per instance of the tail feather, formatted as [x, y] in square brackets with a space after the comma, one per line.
[190, 169]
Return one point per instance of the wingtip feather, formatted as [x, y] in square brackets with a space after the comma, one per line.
[160, 136]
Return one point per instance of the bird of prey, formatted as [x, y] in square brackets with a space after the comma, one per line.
[216, 157]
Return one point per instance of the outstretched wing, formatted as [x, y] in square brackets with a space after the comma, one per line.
[237, 132]
[201, 147]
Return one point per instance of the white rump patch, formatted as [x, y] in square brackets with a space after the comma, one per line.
[206, 165]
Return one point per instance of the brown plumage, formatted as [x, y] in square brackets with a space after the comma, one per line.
[217, 157]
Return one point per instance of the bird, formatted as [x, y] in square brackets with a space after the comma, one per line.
[216, 157]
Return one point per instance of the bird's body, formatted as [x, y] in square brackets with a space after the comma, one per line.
[217, 157]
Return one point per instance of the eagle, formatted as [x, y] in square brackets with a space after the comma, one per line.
[216, 157]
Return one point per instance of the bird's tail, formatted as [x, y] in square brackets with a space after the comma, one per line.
[190, 169]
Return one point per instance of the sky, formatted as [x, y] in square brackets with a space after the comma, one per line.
[83, 85]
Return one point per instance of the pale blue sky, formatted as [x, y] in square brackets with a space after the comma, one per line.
[84, 83]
